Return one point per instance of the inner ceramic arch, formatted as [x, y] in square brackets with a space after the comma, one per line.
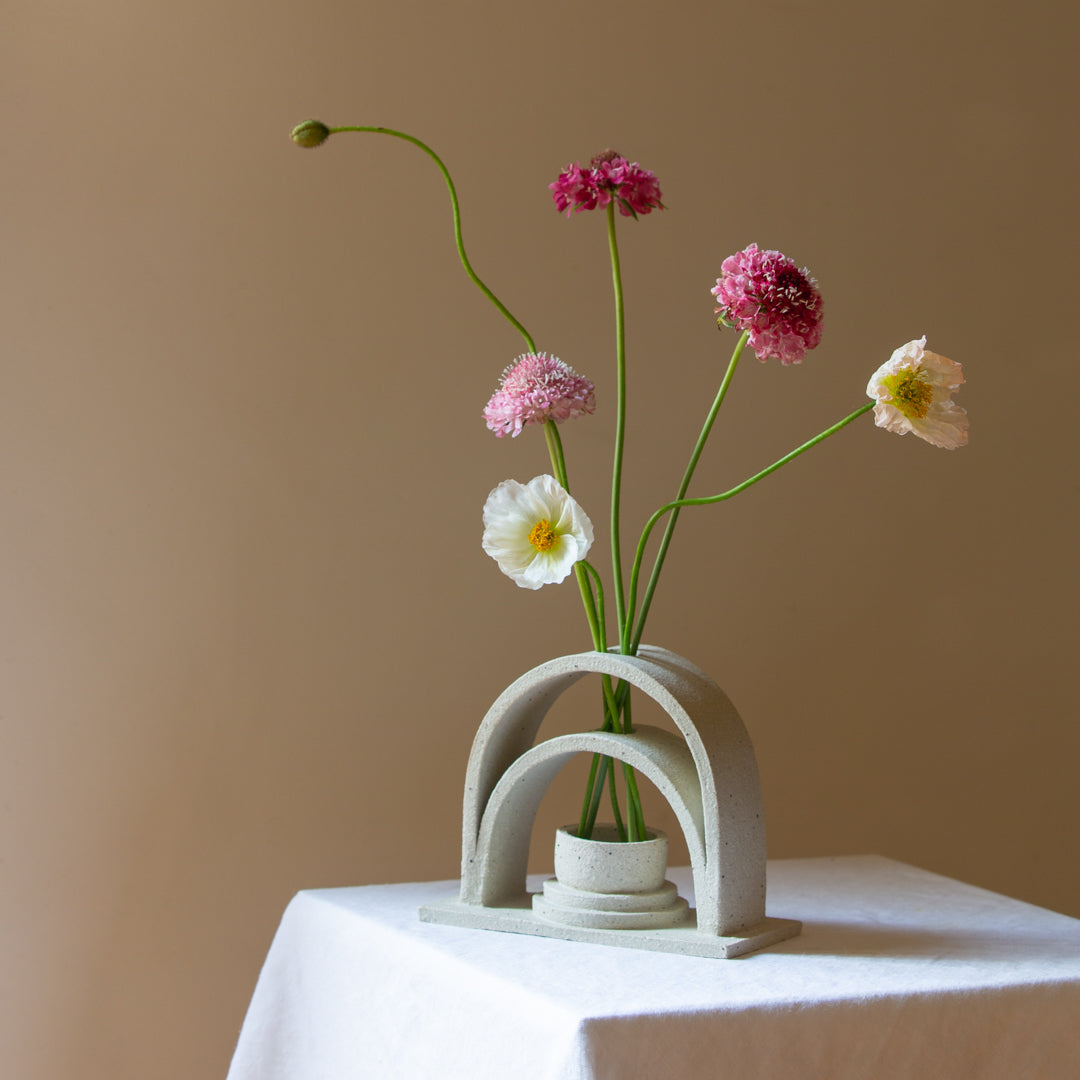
[709, 777]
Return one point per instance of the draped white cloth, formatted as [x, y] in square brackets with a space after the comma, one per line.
[899, 973]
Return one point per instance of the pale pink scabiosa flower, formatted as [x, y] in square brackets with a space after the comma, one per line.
[534, 388]
[913, 391]
[609, 176]
[535, 531]
[766, 293]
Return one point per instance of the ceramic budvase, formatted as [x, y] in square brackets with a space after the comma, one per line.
[707, 773]
[610, 885]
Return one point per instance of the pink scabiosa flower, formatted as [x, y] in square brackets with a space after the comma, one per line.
[766, 293]
[913, 390]
[609, 176]
[534, 388]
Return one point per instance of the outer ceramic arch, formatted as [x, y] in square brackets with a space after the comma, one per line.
[711, 781]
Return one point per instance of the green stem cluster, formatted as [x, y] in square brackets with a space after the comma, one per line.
[630, 619]
[616, 704]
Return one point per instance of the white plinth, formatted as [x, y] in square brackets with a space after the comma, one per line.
[898, 974]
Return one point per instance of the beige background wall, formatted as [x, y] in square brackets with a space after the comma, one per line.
[246, 626]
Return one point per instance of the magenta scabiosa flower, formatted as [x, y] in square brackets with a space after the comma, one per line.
[534, 388]
[608, 176]
[767, 294]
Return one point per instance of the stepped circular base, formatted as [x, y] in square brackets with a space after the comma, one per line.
[653, 910]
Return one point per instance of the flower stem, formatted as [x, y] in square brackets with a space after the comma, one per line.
[594, 604]
[616, 704]
[611, 708]
[599, 585]
[620, 419]
[555, 452]
[635, 817]
[708, 500]
[558, 467]
[503, 309]
[669, 530]
[592, 803]
[594, 613]
[583, 820]
[613, 792]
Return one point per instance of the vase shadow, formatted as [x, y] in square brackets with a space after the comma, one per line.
[884, 942]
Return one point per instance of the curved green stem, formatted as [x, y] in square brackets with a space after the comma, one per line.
[503, 309]
[669, 531]
[555, 452]
[635, 817]
[620, 420]
[616, 704]
[594, 605]
[614, 794]
[595, 616]
[708, 500]
[599, 586]
[591, 805]
[620, 705]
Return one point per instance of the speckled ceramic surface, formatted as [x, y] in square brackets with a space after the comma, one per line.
[707, 773]
[603, 864]
[606, 884]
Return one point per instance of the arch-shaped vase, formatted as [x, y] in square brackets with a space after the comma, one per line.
[708, 774]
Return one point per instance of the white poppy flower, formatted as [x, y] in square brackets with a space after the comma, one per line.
[913, 391]
[535, 531]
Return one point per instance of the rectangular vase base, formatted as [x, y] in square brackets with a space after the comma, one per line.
[517, 917]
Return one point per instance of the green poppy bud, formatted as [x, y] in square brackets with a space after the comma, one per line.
[310, 133]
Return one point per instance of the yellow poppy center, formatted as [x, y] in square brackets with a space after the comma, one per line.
[910, 393]
[543, 537]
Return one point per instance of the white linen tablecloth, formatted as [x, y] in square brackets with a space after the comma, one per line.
[899, 973]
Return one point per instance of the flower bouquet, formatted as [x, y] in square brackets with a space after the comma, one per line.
[539, 535]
